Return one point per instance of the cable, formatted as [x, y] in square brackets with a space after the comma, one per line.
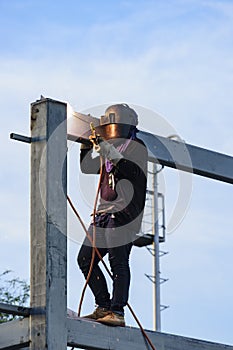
[94, 239]
[88, 235]
[107, 269]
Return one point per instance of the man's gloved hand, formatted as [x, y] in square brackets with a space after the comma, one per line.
[108, 151]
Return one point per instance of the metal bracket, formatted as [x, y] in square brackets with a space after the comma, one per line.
[21, 310]
[26, 139]
[164, 307]
[152, 278]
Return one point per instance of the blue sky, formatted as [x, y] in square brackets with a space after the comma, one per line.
[174, 58]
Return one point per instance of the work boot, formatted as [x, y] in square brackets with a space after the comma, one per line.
[112, 319]
[98, 313]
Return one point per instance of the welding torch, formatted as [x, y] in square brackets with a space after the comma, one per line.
[95, 138]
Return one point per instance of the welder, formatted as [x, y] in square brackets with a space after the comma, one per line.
[122, 157]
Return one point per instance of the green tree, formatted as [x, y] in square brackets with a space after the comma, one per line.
[13, 291]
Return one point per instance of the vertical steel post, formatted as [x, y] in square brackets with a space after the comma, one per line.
[156, 268]
[48, 225]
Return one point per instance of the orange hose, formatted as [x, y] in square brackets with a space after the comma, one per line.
[93, 242]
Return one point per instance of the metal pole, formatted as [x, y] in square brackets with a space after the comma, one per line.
[156, 268]
[48, 285]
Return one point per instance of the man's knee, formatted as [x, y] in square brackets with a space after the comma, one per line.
[118, 263]
[83, 261]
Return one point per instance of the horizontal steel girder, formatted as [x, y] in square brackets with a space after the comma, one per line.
[186, 157]
[166, 151]
[182, 156]
[14, 309]
[92, 335]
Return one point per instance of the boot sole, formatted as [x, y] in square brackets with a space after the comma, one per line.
[111, 324]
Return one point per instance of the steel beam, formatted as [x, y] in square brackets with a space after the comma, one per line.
[14, 334]
[48, 285]
[94, 336]
[14, 309]
[183, 156]
[168, 152]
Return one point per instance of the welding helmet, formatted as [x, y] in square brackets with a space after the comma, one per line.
[118, 121]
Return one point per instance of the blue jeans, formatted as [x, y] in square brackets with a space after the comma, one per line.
[106, 241]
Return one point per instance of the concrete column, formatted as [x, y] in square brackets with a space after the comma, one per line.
[48, 225]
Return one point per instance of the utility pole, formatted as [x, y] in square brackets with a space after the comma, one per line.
[156, 267]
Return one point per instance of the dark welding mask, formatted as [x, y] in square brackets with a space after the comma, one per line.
[117, 122]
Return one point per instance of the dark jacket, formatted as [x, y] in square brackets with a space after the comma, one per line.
[123, 190]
